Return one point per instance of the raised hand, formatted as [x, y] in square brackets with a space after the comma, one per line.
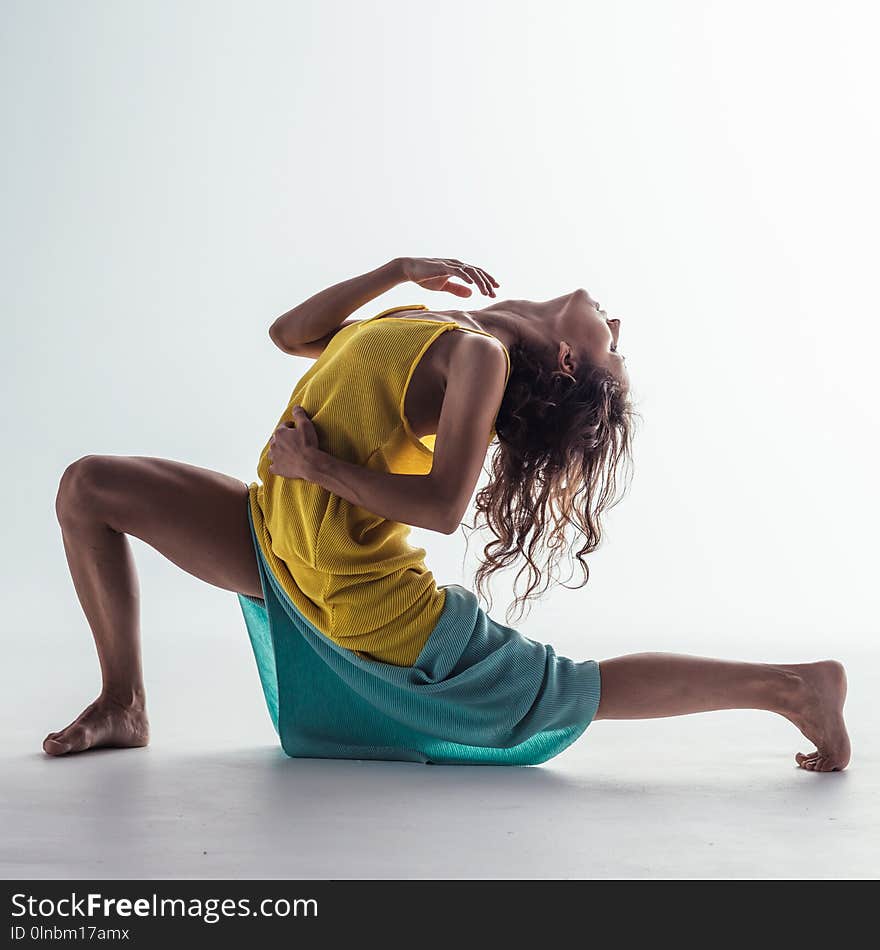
[436, 273]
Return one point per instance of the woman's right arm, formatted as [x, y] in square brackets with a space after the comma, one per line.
[324, 312]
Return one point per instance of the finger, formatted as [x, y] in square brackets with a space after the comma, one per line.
[489, 278]
[457, 289]
[487, 281]
[459, 267]
[480, 279]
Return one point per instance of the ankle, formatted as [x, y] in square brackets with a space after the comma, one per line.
[789, 690]
[130, 698]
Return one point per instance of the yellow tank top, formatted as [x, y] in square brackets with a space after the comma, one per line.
[350, 572]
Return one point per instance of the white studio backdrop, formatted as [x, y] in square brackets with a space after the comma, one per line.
[177, 174]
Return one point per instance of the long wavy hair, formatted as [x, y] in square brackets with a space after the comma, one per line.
[563, 457]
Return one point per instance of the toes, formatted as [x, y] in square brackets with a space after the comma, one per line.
[817, 762]
[74, 739]
[54, 746]
[56, 743]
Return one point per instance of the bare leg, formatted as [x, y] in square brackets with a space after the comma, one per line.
[195, 517]
[811, 695]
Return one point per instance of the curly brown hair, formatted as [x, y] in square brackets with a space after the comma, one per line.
[562, 442]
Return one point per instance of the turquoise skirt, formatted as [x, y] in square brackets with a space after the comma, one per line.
[479, 692]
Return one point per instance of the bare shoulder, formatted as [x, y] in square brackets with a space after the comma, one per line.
[476, 377]
[478, 364]
[479, 351]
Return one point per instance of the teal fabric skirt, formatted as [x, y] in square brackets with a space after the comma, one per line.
[479, 692]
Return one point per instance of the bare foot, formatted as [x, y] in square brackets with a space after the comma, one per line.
[819, 715]
[103, 724]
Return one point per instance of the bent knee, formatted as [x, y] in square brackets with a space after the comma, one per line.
[84, 485]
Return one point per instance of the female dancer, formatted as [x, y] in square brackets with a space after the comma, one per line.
[360, 653]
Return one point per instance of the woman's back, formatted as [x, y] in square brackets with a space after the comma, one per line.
[351, 572]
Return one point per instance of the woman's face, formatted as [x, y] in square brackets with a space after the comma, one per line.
[585, 331]
[576, 327]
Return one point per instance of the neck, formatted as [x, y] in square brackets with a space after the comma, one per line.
[514, 321]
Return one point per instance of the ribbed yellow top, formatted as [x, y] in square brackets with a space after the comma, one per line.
[350, 572]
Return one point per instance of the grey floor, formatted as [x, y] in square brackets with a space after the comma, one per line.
[708, 796]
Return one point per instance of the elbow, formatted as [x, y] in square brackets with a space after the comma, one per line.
[447, 510]
[275, 337]
[449, 521]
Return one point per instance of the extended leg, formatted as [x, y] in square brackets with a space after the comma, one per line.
[811, 695]
[195, 517]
